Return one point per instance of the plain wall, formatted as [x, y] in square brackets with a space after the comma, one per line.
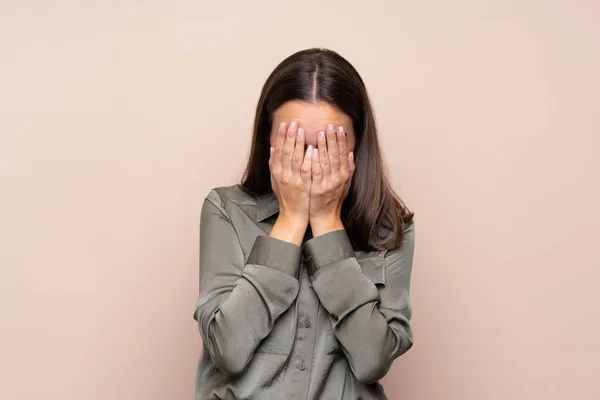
[118, 117]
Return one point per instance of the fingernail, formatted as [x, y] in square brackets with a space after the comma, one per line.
[329, 127]
[340, 129]
[293, 125]
[271, 150]
[300, 132]
[322, 135]
[352, 155]
[310, 149]
[315, 154]
[282, 125]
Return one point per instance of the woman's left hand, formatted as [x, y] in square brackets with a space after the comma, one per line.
[332, 170]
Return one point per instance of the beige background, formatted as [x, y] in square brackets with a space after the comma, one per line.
[117, 117]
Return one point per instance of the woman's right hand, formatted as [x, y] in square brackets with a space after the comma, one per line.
[291, 169]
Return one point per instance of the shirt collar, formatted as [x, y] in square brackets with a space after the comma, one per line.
[267, 205]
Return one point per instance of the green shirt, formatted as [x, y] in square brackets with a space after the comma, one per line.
[284, 322]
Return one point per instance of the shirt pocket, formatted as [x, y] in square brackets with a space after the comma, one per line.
[374, 269]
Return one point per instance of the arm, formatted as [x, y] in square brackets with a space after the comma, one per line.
[239, 302]
[371, 324]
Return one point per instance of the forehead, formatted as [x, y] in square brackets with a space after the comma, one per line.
[313, 117]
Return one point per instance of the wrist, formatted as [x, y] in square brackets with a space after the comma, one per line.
[290, 229]
[321, 225]
[293, 220]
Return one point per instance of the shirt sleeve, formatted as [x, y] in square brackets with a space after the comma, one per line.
[371, 323]
[240, 301]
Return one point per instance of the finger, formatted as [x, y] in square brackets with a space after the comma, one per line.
[317, 171]
[298, 156]
[271, 158]
[343, 149]
[332, 149]
[306, 168]
[351, 169]
[321, 142]
[288, 146]
[278, 146]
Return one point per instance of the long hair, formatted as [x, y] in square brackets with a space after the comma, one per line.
[321, 75]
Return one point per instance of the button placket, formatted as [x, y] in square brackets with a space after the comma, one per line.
[305, 336]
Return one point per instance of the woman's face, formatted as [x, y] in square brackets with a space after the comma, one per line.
[313, 118]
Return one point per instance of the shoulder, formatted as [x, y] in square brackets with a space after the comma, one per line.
[221, 196]
[409, 232]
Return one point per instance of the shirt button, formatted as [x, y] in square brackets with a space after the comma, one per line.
[301, 366]
[307, 324]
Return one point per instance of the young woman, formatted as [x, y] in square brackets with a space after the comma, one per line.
[305, 266]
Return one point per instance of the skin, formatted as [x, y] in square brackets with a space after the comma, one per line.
[312, 164]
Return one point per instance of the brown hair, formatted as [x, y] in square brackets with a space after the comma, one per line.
[315, 75]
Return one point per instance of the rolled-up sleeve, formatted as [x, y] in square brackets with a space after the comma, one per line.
[240, 301]
[371, 323]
